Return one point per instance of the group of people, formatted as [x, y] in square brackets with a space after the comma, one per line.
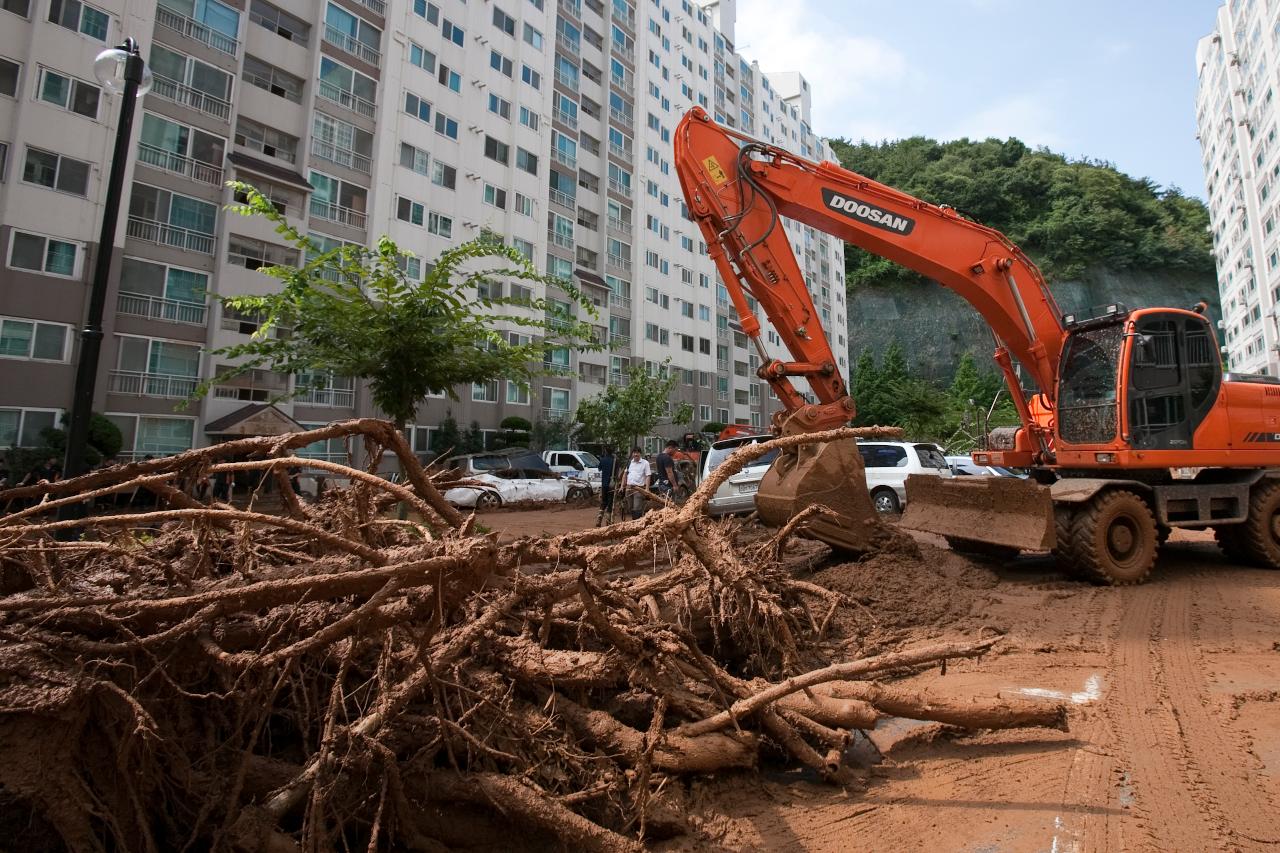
[639, 480]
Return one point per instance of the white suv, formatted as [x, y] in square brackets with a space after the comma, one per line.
[888, 465]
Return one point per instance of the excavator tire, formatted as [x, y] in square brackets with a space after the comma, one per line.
[1064, 553]
[1113, 538]
[1260, 534]
[974, 548]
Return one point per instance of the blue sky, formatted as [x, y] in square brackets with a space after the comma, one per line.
[1112, 81]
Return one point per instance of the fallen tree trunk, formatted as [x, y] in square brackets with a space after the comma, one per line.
[969, 713]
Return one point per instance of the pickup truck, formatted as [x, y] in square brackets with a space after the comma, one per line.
[574, 464]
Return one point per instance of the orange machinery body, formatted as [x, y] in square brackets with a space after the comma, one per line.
[1164, 404]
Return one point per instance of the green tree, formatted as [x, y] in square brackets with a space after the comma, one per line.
[966, 384]
[473, 439]
[447, 437]
[355, 312]
[865, 388]
[104, 442]
[621, 414]
[515, 431]
[550, 434]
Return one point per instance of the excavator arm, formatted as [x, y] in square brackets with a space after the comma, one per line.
[737, 189]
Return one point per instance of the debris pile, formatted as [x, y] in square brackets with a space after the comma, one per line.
[204, 676]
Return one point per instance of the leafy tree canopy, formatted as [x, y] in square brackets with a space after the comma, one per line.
[354, 312]
[621, 414]
[1067, 215]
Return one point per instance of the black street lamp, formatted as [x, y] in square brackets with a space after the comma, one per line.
[120, 70]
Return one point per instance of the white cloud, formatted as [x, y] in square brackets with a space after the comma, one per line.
[1029, 117]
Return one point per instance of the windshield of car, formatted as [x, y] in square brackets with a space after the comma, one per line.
[718, 454]
[931, 456]
[588, 459]
[490, 463]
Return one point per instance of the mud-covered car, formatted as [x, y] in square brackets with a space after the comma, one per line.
[517, 485]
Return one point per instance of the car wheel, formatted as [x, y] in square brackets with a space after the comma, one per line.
[886, 501]
[488, 500]
[576, 494]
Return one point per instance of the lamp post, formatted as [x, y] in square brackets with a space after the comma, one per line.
[120, 70]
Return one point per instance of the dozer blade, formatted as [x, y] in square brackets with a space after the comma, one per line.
[1004, 511]
[830, 474]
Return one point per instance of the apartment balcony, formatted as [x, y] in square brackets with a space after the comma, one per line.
[558, 369]
[621, 341]
[723, 304]
[621, 81]
[620, 262]
[618, 117]
[618, 151]
[619, 225]
[205, 173]
[555, 414]
[341, 156]
[591, 377]
[564, 158]
[722, 396]
[353, 103]
[156, 308]
[329, 397]
[352, 45]
[566, 119]
[722, 365]
[723, 334]
[617, 377]
[163, 234]
[337, 213]
[164, 385]
[377, 7]
[195, 30]
[571, 7]
[564, 241]
[616, 301]
[568, 45]
[566, 201]
[569, 81]
[172, 90]
[620, 188]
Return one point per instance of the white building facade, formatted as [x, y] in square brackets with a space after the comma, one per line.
[434, 121]
[1236, 117]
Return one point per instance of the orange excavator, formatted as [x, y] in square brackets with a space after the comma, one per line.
[1123, 403]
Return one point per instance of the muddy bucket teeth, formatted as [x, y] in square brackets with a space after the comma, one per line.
[994, 510]
[830, 474]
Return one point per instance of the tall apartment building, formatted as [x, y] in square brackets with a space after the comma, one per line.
[1236, 117]
[433, 121]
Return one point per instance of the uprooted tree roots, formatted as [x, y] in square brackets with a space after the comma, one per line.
[208, 677]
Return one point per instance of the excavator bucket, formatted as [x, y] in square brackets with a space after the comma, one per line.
[1002, 511]
[830, 474]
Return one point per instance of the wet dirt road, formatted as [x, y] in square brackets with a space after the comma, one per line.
[1173, 743]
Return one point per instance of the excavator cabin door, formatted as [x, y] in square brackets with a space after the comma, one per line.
[1173, 378]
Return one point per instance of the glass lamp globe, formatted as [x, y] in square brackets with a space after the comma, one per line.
[109, 69]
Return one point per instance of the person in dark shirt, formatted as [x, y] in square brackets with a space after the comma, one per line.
[607, 464]
[666, 468]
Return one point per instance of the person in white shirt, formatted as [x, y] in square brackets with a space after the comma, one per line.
[638, 472]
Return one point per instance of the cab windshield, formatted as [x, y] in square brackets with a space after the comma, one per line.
[1087, 385]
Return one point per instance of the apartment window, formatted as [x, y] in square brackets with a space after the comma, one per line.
[56, 172]
[338, 201]
[485, 392]
[168, 145]
[529, 118]
[423, 9]
[190, 222]
[73, 95]
[517, 393]
[421, 57]
[449, 78]
[496, 150]
[163, 282]
[353, 34]
[499, 106]
[443, 175]
[24, 427]
[440, 225]
[556, 401]
[4, 159]
[446, 126]
[533, 78]
[409, 211]
[417, 107]
[33, 340]
[171, 67]
[495, 196]
[9, 74]
[452, 32]
[21, 8]
[524, 205]
[533, 37]
[504, 22]
[347, 87]
[499, 63]
[79, 17]
[268, 140]
[686, 342]
[156, 368]
[255, 254]
[524, 247]
[415, 159]
[279, 22]
[527, 160]
[271, 79]
[42, 254]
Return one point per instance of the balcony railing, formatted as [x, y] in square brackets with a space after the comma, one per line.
[722, 365]
[620, 262]
[619, 301]
[722, 396]
[564, 158]
[571, 7]
[172, 90]
[566, 119]
[620, 80]
[564, 199]
[156, 308]
[617, 377]
[564, 78]
[623, 341]
[558, 369]
[564, 241]
[164, 385]
[555, 414]
[205, 173]
[163, 234]
[337, 213]
[377, 7]
[273, 24]
[722, 334]
[343, 98]
[196, 30]
[352, 45]
[332, 397]
[341, 156]
[568, 45]
[620, 188]
[618, 151]
[617, 116]
[619, 225]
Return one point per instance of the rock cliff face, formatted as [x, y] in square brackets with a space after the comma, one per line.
[935, 327]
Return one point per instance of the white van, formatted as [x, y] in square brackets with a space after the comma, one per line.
[574, 464]
[888, 465]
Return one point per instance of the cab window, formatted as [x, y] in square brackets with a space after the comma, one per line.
[883, 455]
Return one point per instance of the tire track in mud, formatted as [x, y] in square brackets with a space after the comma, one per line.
[1190, 775]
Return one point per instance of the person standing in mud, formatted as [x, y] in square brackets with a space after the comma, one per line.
[638, 472]
[607, 464]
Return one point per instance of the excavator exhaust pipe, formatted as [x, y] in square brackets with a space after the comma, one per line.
[1005, 512]
[829, 474]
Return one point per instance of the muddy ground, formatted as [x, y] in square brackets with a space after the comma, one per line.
[1174, 737]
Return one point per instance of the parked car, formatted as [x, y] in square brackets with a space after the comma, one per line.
[738, 493]
[964, 466]
[574, 464]
[514, 485]
[888, 465]
[471, 464]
